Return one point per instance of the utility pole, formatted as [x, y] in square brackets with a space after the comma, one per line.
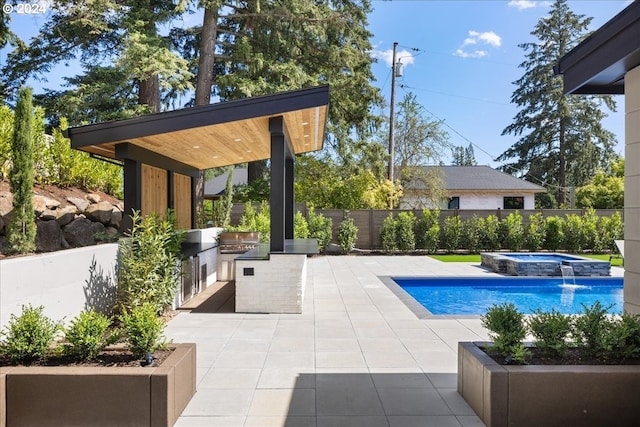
[392, 112]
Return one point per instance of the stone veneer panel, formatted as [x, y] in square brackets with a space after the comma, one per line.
[632, 209]
[277, 284]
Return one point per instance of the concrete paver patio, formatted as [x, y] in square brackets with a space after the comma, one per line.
[356, 356]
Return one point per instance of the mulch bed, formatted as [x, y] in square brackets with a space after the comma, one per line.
[108, 358]
[573, 356]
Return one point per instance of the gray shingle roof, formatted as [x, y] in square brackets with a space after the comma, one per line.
[483, 178]
[217, 185]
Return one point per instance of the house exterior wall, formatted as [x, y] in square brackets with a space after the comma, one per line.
[478, 200]
[632, 192]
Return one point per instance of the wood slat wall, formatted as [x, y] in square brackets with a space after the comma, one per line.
[182, 200]
[154, 190]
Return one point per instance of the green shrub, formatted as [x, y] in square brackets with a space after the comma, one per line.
[255, 220]
[427, 230]
[507, 330]
[554, 233]
[590, 234]
[490, 236]
[143, 329]
[29, 336]
[452, 232]
[471, 234]
[610, 229]
[551, 331]
[87, 335]
[148, 268]
[623, 339]
[347, 234]
[300, 226]
[573, 233]
[514, 239]
[405, 236]
[320, 227]
[592, 327]
[388, 230]
[535, 234]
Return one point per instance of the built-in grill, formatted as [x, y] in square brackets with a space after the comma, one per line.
[238, 242]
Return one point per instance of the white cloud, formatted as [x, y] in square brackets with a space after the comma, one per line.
[477, 38]
[527, 4]
[386, 56]
[475, 54]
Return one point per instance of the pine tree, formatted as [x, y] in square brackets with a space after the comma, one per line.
[21, 231]
[561, 139]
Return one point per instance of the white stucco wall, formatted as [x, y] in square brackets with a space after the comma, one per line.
[64, 282]
[476, 201]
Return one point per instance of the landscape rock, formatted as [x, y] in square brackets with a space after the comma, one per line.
[6, 204]
[111, 234]
[66, 214]
[116, 217]
[94, 198]
[79, 203]
[80, 232]
[39, 204]
[100, 212]
[51, 203]
[48, 215]
[48, 236]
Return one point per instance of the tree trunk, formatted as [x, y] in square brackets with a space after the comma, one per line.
[204, 82]
[562, 170]
[149, 93]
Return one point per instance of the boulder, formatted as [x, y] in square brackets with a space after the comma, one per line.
[81, 204]
[48, 215]
[48, 236]
[51, 203]
[6, 205]
[111, 234]
[39, 204]
[116, 217]
[100, 212]
[66, 214]
[94, 198]
[80, 232]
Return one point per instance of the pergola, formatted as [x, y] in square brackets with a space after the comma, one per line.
[164, 152]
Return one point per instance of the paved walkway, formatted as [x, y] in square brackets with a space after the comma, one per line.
[357, 356]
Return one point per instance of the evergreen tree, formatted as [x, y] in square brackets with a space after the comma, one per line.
[561, 139]
[21, 231]
[463, 156]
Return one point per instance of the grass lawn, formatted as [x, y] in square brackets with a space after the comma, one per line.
[476, 258]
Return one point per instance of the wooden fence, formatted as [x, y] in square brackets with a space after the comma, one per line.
[369, 221]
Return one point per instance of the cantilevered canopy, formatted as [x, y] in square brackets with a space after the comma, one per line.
[598, 64]
[215, 135]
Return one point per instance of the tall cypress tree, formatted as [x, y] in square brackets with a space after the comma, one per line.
[21, 232]
[561, 139]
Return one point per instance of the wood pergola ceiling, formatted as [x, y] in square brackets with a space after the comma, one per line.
[215, 135]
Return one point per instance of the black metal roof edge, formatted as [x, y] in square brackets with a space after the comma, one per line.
[222, 112]
[613, 29]
[625, 18]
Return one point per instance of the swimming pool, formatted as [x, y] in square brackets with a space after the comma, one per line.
[473, 295]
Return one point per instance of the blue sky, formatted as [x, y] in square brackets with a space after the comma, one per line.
[467, 61]
[462, 72]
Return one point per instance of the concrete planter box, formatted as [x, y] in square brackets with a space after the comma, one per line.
[537, 395]
[99, 396]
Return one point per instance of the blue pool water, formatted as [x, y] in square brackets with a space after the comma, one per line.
[474, 295]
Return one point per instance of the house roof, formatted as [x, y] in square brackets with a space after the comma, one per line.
[598, 64]
[485, 178]
[214, 135]
[218, 184]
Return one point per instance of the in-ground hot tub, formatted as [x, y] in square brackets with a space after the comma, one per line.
[542, 264]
